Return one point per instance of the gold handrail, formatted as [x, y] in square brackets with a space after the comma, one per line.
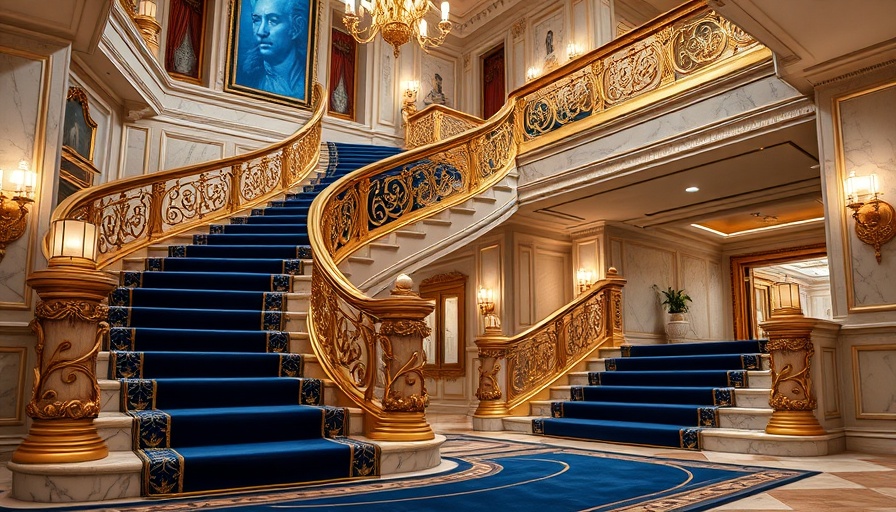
[537, 357]
[135, 212]
[677, 52]
[435, 123]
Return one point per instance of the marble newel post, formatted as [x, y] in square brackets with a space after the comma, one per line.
[402, 329]
[70, 326]
[791, 350]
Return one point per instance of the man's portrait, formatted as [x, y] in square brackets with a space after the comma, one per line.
[549, 37]
[271, 47]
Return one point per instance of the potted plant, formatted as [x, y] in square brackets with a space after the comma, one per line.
[676, 303]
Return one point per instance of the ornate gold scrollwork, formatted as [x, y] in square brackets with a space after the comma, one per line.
[405, 328]
[137, 212]
[71, 309]
[45, 402]
[489, 389]
[637, 69]
[791, 385]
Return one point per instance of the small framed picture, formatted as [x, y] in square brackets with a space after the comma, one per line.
[271, 50]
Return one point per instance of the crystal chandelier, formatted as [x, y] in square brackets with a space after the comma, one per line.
[397, 20]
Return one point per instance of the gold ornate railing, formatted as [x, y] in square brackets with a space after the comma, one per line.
[351, 332]
[135, 212]
[435, 123]
[354, 335]
[536, 358]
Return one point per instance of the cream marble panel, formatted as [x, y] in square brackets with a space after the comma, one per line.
[644, 267]
[616, 257]
[696, 283]
[830, 382]
[874, 368]
[868, 144]
[136, 151]
[551, 276]
[725, 105]
[524, 287]
[12, 366]
[21, 77]
[518, 58]
[387, 87]
[181, 150]
[453, 388]
[717, 304]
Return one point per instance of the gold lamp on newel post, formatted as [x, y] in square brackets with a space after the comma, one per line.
[70, 324]
[790, 347]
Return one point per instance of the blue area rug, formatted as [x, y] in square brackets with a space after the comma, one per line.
[493, 474]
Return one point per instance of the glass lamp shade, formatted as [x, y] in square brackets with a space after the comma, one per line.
[786, 299]
[860, 188]
[73, 240]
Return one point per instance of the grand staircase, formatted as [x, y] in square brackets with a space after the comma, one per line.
[207, 358]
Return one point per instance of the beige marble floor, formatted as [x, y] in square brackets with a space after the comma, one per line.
[849, 482]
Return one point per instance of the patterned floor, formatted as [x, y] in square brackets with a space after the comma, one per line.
[850, 482]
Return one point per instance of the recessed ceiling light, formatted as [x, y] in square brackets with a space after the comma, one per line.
[692, 189]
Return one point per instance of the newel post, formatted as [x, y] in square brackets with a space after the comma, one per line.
[400, 342]
[791, 350]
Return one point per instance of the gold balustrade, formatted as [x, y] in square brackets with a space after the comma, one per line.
[435, 123]
[536, 358]
[448, 162]
[135, 212]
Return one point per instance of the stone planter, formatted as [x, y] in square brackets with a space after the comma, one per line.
[677, 328]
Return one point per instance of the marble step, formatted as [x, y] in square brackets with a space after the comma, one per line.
[118, 475]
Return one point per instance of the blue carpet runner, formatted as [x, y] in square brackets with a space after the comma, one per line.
[199, 346]
[659, 395]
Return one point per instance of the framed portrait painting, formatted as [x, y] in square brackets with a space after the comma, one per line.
[549, 41]
[271, 50]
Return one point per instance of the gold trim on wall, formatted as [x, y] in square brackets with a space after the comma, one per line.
[37, 163]
[19, 418]
[746, 261]
[830, 398]
[857, 382]
[845, 222]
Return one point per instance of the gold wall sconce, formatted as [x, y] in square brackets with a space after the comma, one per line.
[14, 208]
[573, 51]
[584, 278]
[486, 300]
[875, 219]
[410, 89]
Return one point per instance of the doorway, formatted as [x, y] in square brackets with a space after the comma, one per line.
[753, 276]
[493, 91]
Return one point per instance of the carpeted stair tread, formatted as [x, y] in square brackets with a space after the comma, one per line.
[281, 238]
[655, 394]
[209, 299]
[246, 424]
[706, 378]
[693, 362]
[205, 340]
[269, 220]
[181, 364]
[231, 281]
[225, 265]
[238, 251]
[233, 229]
[629, 432]
[183, 318]
[234, 466]
[211, 392]
[280, 211]
[702, 348]
[672, 414]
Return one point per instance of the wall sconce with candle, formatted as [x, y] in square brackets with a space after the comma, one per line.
[875, 219]
[532, 73]
[410, 89]
[573, 51]
[13, 209]
[486, 300]
[584, 278]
